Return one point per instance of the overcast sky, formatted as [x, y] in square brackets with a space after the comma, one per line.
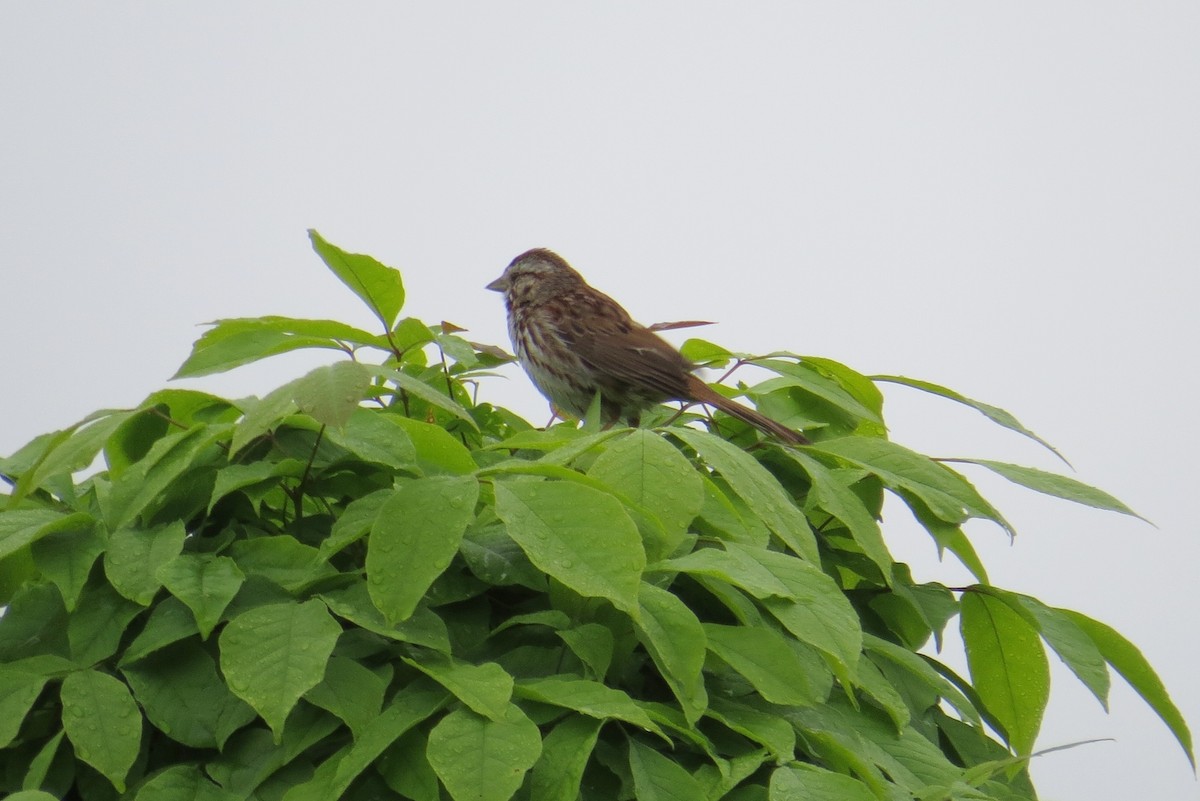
[1002, 200]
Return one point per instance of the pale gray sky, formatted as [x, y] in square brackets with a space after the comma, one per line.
[1002, 200]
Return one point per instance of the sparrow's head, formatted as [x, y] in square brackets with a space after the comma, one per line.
[536, 274]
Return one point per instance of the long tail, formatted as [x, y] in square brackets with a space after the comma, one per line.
[703, 393]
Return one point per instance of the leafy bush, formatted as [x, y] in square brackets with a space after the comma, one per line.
[368, 584]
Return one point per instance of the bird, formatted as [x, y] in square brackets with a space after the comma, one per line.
[575, 341]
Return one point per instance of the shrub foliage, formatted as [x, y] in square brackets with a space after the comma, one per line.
[371, 584]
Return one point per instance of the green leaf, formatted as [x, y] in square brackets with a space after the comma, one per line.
[590, 698]
[760, 490]
[239, 476]
[993, 413]
[593, 643]
[495, 558]
[764, 658]
[657, 778]
[875, 685]
[558, 773]
[486, 689]
[1127, 660]
[31, 795]
[415, 536]
[65, 556]
[134, 556]
[168, 459]
[578, 535]
[802, 782]
[820, 615]
[272, 655]
[406, 770]
[185, 698]
[481, 759]
[182, 783]
[263, 414]
[409, 707]
[705, 353]
[352, 692]
[169, 622]
[731, 566]
[380, 287]
[804, 377]
[18, 691]
[652, 473]
[24, 526]
[1008, 666]
[1056, 485]
[419, 389]
[675, 640]
[1068, 640]
[376, 437]
[438, 452]
[283, 560]
[330, 394]
[235, 342]
[771, 730]
[947, 494]
[354, 604]
[66, 452]
[917, 667]
[41, 764]
[835, 497]
[354, 523]
[103, 723]
[98, 625]
[204, 582]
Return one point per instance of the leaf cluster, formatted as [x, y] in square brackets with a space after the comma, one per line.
[370, 584]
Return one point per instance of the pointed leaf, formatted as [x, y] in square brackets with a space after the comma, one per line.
[650, 471]
[836, 498]
[760, 490]
[204, 582]
[271, 655]
[103, 722]
[947, 494]
[657, 778]
[558, 773]
[486, 689]
[1008, 665]
[232, 343]
[134, 556]
[675, 640]
[18, 691]
[578, 535]
[185, 698]
[480, 759]
[413, 539]
[182, 783]
[589, 698]
[1127, 660]
[417, 387]
[820, 615]
[1056, 485]
[811, 783]
[380, 287]
[764, 658]
[330, 394]
[993, 413]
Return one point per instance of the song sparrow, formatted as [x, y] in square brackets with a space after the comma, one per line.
[573, 340]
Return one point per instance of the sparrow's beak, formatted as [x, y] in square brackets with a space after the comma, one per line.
[499, 285]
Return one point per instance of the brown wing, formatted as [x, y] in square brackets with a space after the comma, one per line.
[604, 336]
